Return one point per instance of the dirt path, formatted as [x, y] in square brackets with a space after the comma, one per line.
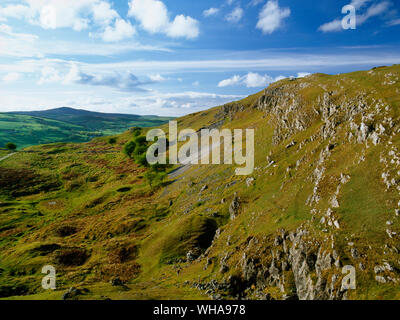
[7, 156]
[197, 156]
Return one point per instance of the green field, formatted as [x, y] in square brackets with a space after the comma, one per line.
[66, 125]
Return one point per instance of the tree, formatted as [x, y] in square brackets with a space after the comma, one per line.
[11, 146]
[155, 179]
[112, 140]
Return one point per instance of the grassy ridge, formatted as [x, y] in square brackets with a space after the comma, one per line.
[66, 125]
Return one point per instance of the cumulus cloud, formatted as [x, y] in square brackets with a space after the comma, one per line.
[235, 80]
[255, 80]
[210, 12]
[125, 81]
[49, 75]
[235, 16]
[76, 14]
[250, 80]
[157, 77]
[178, 103]
[153, 17]
[271, 17]
[103, 13]
[303, 74]
[373, 10]
[121, 30]
[183, 27]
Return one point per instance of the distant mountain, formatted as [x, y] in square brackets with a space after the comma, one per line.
[26, 128]
[96, 120]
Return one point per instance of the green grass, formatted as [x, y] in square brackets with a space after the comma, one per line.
[28, 130]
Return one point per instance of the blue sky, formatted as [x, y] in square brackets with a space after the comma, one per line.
[173, 57]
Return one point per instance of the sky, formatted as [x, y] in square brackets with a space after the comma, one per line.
[175, 57]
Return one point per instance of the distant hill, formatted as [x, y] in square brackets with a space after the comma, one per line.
[66, 125]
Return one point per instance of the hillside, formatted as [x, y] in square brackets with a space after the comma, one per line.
[66, 125]
[324, 195]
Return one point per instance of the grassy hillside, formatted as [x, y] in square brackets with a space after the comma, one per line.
[324, 195]
[66, 125]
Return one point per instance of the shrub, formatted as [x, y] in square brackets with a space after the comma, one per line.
[129, 148]
[142, 160]
[11, 146]
[141, 141]
[136, 131]
[155, 179]
[112, 140]
[139, 150]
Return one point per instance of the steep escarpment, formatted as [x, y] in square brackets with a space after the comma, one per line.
[329, 174]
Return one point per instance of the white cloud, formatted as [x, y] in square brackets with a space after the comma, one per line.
[121, 80]
[271, 17]
[183, 27]
[103, 13]
[11, 77]
[303, 74]
[372, 11]
[255, 2]
[210, 12]
[76, 14]
[359, 3]
[15, 11]
[178, 103]
[153, 17]
[121, 30]
[235, 80]
[49, 75]
[335, 25]
[235, 16]
[279, 78]
[255, 80]
[13, 44]
[250, 80]
[152, 14]
[394, 22]
[156, 77]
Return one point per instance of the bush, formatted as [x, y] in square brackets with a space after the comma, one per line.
[142, 160]
[11, 146]
[139, 150]
[129, 148]
[141, 141]
[136, 131]
[112, 140]
[155, 179]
